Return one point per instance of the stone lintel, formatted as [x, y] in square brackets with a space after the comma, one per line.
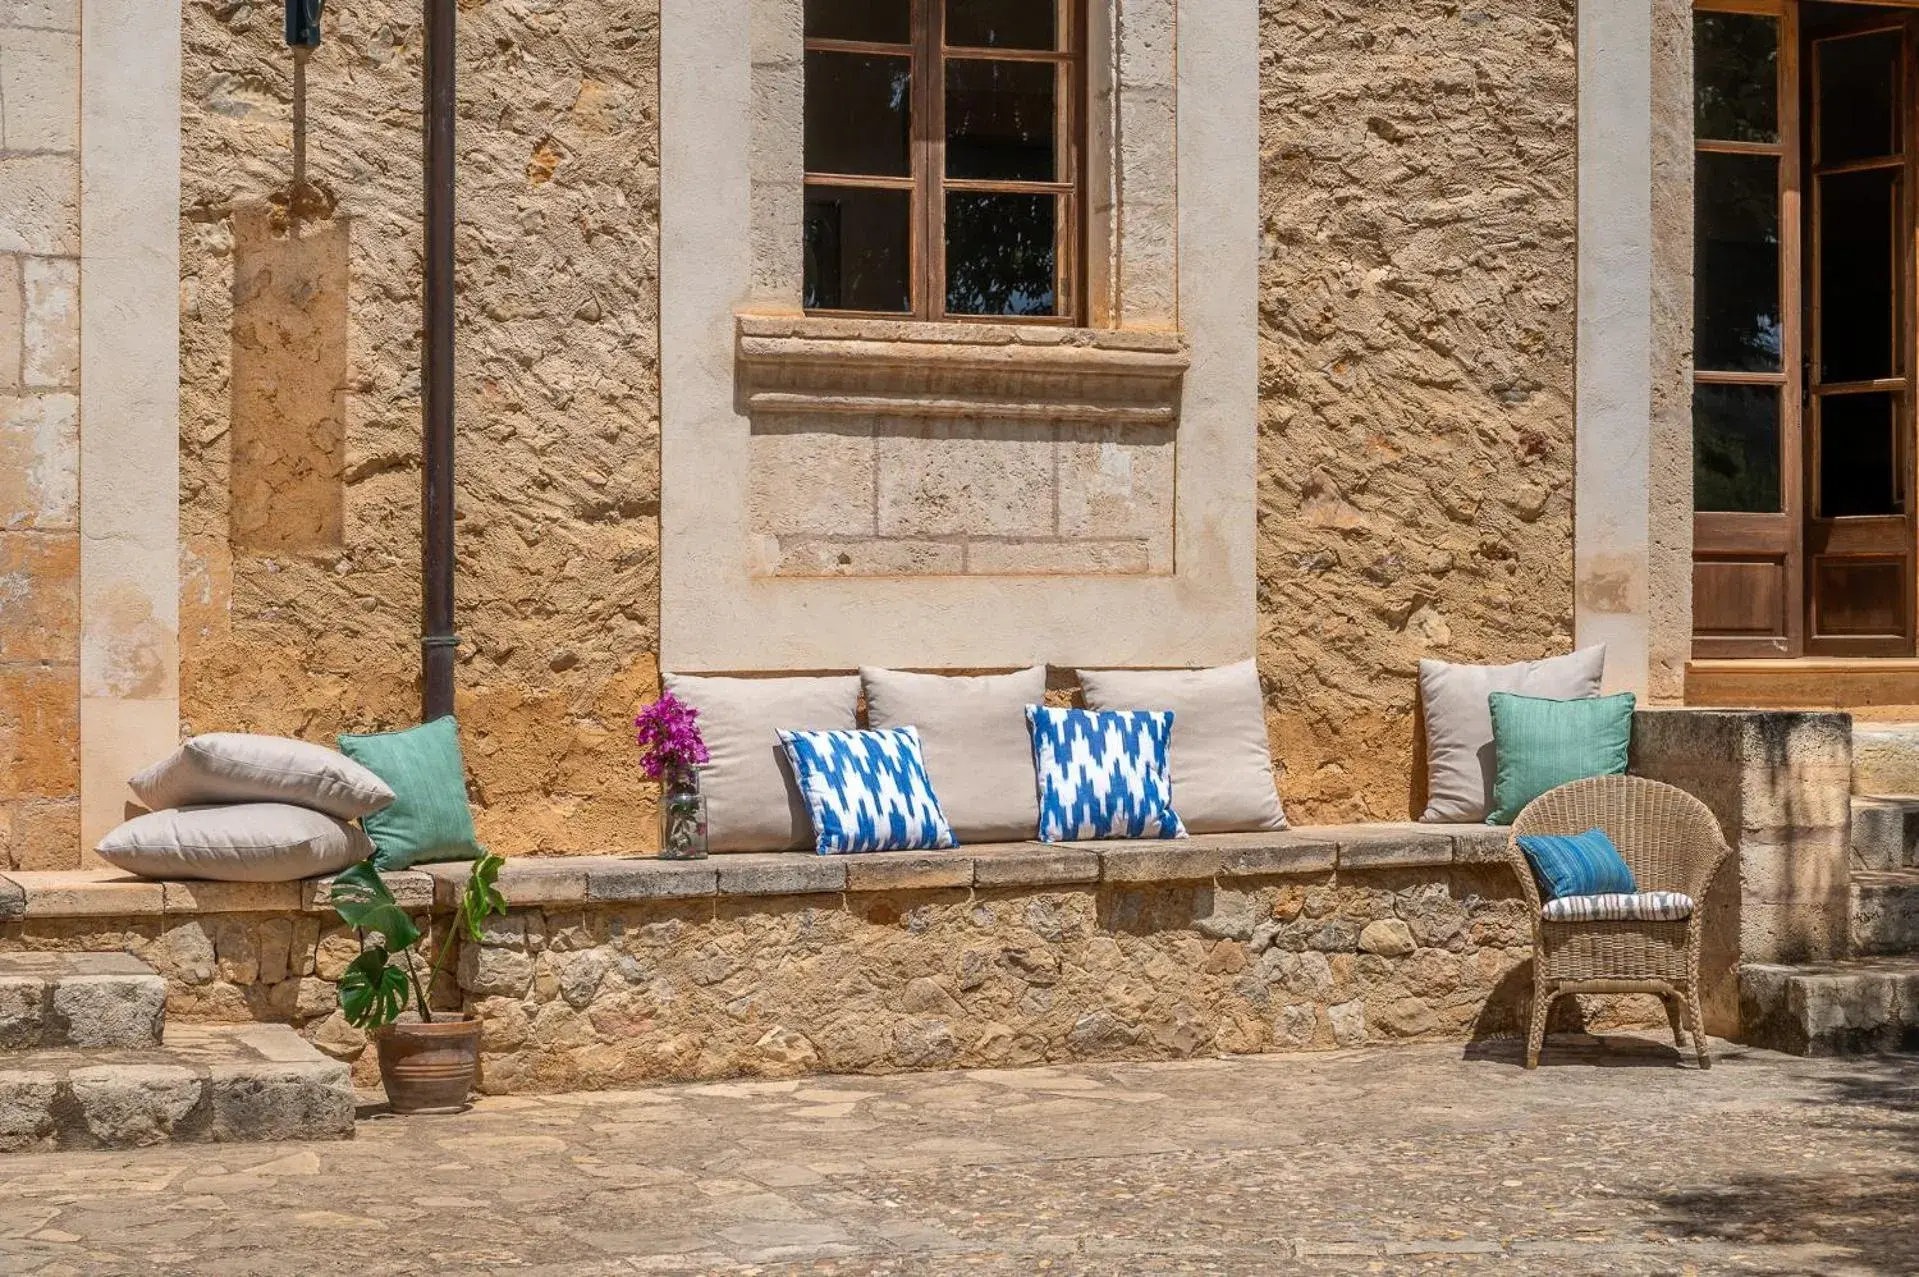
[1032, 864]
[642, 878]
[779, 874]
[910, 871]
[88, 893]
[535, 881]
[1395, 846]
[411, 890]
[233, 897]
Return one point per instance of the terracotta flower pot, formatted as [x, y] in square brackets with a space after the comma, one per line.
[429, 1068]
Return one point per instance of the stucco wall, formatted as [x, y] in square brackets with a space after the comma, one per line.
[305, 621]
[1417, 334]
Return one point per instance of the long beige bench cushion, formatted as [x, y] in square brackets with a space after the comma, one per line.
[979, 755]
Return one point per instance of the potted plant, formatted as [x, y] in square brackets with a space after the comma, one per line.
[427, 1063]
[671, 752]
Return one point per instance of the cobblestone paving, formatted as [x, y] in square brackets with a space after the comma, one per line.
[1612, 1159]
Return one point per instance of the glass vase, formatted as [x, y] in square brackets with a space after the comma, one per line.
[682, 817]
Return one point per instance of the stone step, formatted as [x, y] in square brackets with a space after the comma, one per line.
[79, 1000]
[1885, 911]
[228, 1083]
[1859, 1006]
[1885, 832]
[1885, 759]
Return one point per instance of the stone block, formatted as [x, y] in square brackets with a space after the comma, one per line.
[39, 460]
[12, 320]
[1091, 557]
[308, 1099]
[836, 458]
[1116, 482]
[646, 879]
[779, 874]
[412, 890]
[39, 730]
[1885, 911]
[61, 15]
[1840, 1008]
[40, 91]
[862, 556]
[1478, 844]
[909, 871]
[1163, 860]
[1885, 759]
[523, 880]
[1814, 865]
[946, 478]
[22, 1012]
[1032, 864]
[1801, 931]
[1387, 937]
[40, 596]
[50, 333]
[89, 893]
[106, 1010]
[1389, 846]
[1277, 853]
[40, 204]
[130, 1105]
[233, 897]
[27, 1099]
[36, 834]
[1885, 833]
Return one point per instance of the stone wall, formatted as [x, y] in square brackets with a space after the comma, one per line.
[300, 416]
[1417, 353]
[39, 432]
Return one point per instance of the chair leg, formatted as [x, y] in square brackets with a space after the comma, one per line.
[1536, 1036]
[1676, 1016]
[1698, 1026]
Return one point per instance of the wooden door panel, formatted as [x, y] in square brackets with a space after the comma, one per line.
[1738, 604]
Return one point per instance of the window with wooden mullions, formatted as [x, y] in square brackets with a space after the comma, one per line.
[943, 158]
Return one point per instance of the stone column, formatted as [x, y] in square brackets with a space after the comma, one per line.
[1781, 785]
[1632, 527]
[130, 411]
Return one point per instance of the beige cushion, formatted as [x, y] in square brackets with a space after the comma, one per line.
[1459, 722]
[235, 767]
[1222, 764]
[973, 734]
[243, 842]
[752, 802]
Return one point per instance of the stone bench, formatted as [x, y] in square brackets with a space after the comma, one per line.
[611, 970]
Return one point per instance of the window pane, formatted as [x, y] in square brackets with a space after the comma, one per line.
[859, 114]
[1859, 220]
[880, 21]
[1735, 283]
[1736, 77]
[999, 120]
[1002, 24]
[1856, 455]
[859, 249]
[1858, 97]
[1000, 254]
[1735, 448]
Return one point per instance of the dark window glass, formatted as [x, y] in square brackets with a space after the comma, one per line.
[1856, 455]
[859, 114]
[1000, 120]
[1002, 24]
[859, 253]
[1000, 254]
[1736, 323]
[876, 21]
[1735, 448]
[1859, 220]
[1858, 91]
[1735, 77]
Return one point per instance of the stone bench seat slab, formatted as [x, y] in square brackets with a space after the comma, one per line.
[534, 881]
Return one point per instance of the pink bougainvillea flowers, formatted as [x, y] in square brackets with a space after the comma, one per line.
[669, 738]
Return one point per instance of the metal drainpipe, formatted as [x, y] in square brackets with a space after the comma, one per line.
[438, 642]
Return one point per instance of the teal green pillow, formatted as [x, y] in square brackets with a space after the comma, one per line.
[1540, 744]
[428, 819]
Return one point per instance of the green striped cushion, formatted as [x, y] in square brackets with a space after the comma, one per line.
[428, 819]
[1541, 744]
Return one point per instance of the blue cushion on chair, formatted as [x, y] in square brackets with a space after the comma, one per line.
[1103, 773]
[1578, 864]
[867, 791]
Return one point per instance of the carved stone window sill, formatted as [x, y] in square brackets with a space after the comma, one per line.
[875, 367]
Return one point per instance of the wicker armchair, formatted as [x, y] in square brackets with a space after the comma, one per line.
[1673, 843]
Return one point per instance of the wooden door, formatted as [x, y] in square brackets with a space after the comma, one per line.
[1749, 521]
[1858, 106]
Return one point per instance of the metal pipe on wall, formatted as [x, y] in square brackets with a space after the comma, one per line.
[438, 642]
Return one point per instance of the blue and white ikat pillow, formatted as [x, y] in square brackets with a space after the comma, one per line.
[1103, 773]
[867, 791]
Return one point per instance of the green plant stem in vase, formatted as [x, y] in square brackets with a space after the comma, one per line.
[682, 816]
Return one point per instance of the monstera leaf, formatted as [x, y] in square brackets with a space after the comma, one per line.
[481, 897]
[372, 991]
[364, 903]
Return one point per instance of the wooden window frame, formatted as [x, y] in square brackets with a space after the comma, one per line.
[1731, 536]
[929, 53]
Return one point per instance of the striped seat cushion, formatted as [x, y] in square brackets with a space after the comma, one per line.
[1640, 906]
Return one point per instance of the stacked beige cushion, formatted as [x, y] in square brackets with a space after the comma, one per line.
[1222, 765]
[752, 801]
[978, 750]
[235, 807]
